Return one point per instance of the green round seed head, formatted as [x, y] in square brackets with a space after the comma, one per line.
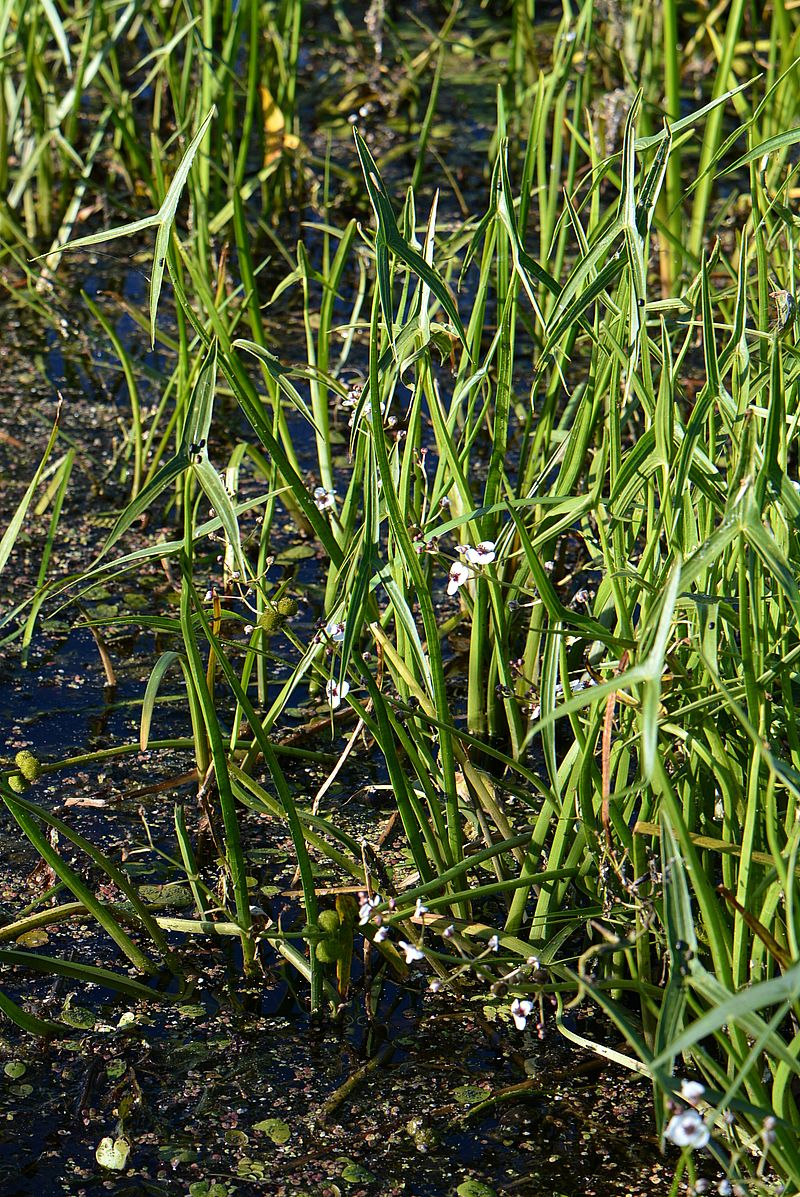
[28, 765]
[269, 620]
[17, 783]
[329, 921]
[286, 607]
[327, 951]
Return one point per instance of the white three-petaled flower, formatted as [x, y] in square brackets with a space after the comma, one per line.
[336, 691]
[481, 554]
[410, 952]
[459, 574]
[324, 499]
[335, 630]
[366, 908]
[521, 1012]
[687, 1130]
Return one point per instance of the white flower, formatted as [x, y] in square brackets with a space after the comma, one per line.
[482, 554]
[435, 985]
[380, 934]
[335, 630]
[521, 1012]
[459, 574]
[336, 691]
[494, 943]
[410, 952]
[366, 908]
[419, 909]
[324, 499]
[687, 1130]
[692, 1091]
[449, 932]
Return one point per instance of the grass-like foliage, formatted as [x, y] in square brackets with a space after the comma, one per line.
[555, 504]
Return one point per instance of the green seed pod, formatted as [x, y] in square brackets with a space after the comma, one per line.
[327, 951]
[286, 607]
[329, 922]
[17, 783]
[28, 765]
[269, 621]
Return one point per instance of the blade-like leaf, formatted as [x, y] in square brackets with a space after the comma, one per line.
[388, 237]
[163, 220]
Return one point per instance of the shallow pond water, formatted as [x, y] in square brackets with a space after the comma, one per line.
[233, 1090]
[230, 1088]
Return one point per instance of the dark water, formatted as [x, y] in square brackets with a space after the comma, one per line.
[188, 1085]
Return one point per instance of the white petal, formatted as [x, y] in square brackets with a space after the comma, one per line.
[336, 691]
[687, 1130]
[366, 908]
[411, 953]
[520, 1010]
[692, 1091]
[459, 574]
[482, 554]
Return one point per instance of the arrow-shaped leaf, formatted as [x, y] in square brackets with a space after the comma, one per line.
[388, 237]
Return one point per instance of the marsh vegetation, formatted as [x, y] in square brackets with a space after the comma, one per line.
[420, 511]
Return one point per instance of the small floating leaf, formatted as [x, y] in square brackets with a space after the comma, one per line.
[191, 1011]
[469, 1095]
[78, 1016]
[354, 1174]
[113, 1153]
[33, 939]
[204, 1188]
[280, 1132]
[474, 1188]
[15, 1069]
